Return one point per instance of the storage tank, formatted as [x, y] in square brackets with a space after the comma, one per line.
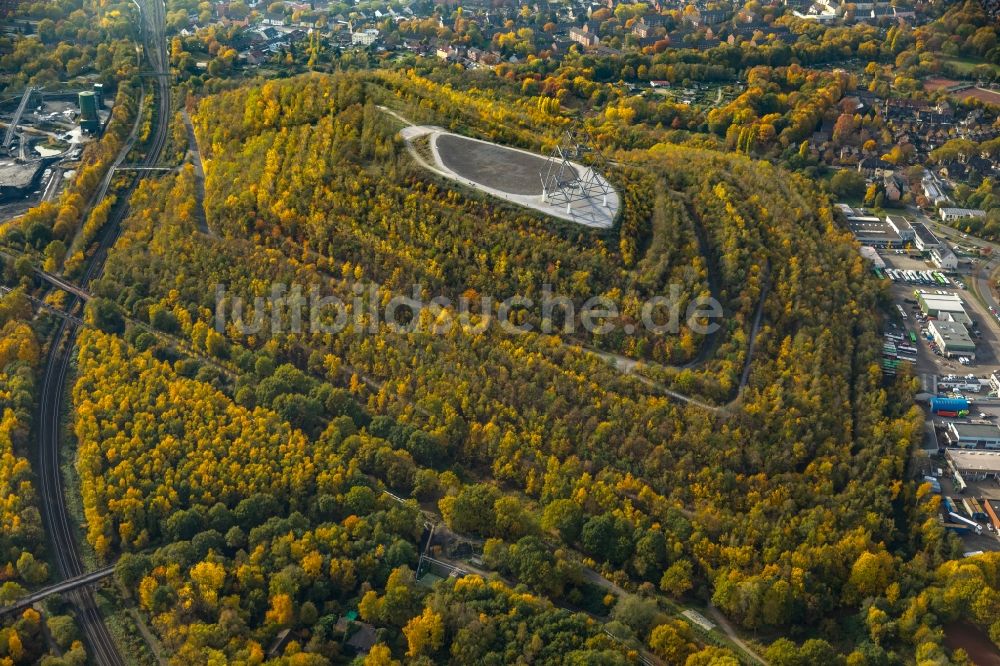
[88, 112]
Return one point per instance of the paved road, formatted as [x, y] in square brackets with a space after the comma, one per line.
[53, 280]
[58, 522]
[727, 629]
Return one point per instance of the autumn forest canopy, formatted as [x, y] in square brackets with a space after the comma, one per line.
[252, 483]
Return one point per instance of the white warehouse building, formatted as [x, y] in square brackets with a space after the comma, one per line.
[953, 339]
[949, 214]
[946, 306]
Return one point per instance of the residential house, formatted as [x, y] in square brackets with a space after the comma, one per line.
[891, 187]
[584, 36]
[365, 37]
[641, 29]
[875, 167]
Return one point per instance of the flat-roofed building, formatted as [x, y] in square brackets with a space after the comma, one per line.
[974, 465]
[872, 255]
[901, 226]
[974, 435]
[952, 338]
[923, 238]
[870, 230]
[946, 306]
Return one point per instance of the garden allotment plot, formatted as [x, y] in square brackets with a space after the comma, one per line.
[511, 174]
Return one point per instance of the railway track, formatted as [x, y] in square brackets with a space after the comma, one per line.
[58, 522]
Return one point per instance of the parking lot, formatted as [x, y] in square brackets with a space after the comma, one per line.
[985, 329]
[947, 376]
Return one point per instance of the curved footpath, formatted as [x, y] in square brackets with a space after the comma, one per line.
[624, 364]
[597, 211]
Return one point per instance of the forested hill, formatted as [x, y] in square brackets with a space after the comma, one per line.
[787, 508]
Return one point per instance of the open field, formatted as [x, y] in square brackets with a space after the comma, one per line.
[969, 90]
[975, 643]
[939, 83]
[982, 94]
[966, 65]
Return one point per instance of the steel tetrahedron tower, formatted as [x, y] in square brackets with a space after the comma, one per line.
[572, 172]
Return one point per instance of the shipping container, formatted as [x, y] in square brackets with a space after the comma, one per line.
[977, 512]
[949, 505]
[992, 513]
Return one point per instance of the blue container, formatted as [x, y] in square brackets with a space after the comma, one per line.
[948, 404]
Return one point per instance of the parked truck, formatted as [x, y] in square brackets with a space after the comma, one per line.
[973, 525]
